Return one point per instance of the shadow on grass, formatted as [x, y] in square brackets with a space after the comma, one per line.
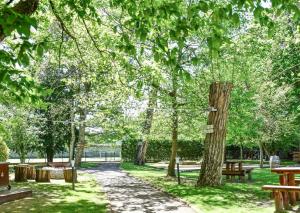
[58, 197]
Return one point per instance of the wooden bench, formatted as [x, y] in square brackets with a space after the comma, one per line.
[231, 170]
[59, 164]
[281, 195]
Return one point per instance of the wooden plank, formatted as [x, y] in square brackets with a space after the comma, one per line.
[281, 188]
[7, 196]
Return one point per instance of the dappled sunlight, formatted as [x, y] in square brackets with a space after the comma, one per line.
[230, 197]
[58, 196]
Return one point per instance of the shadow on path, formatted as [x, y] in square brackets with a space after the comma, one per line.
[129, 194]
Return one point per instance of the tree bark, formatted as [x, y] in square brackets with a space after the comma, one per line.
[50, 155]
[73, 136]
[171, 166]
[261, 155]
[214, 144]
[142, 149]
[23, 7]
[241, 152]
[81, 142]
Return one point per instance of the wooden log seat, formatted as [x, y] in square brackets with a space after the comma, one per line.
[21, 172]
[68, 175]
[281, 195]
[42, 175]
[30, 172]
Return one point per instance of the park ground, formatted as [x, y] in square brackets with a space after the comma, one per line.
[237, 197]
[57, 196]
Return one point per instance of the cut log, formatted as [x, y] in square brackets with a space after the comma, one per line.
[21, 173]
[68, 175]
[42, 175]
[30, 172]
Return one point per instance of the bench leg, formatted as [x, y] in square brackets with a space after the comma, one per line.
[292, 195]
[278, 201]
[285, 198]
[249, 176]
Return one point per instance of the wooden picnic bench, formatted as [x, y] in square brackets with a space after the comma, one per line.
[281, 195]
[231, 171]
[59, 164]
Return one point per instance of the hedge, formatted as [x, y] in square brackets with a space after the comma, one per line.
[159, 150]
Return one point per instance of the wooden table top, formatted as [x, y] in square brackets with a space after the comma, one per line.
[295, 170]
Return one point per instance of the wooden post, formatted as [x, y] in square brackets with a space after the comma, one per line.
[227, 170]
[278, 201]
[21, 173]
[42, 175]
[285, 197]
[292, 195]
[232, 169]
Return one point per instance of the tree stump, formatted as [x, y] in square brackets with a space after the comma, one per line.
[42, 175]
[30, 172]
[21, 173]
[68, 175]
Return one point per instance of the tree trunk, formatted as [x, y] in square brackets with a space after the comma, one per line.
[81, 142]
[241, 152]
[214, 144]
[22, 157]
[73, 136]
[142, 149]
[261, 155]
[171, 166]
[25, 7]
[50, 156]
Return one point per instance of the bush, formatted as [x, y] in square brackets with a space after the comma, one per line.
[4, 151]
[159, 150]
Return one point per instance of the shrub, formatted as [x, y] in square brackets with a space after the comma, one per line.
[159, 150]
[4, 151]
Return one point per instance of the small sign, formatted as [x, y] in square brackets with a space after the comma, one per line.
[209, 131]
[212, 109]
[72, 163]
[177, 160]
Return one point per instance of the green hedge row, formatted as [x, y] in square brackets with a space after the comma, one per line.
[159, 150]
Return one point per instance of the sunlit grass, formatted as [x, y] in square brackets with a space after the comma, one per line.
[231, 197]
[58, 197]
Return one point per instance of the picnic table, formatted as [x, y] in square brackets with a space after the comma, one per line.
[235, 168]
[287, 178]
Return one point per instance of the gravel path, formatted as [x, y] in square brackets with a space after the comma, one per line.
[129, 194]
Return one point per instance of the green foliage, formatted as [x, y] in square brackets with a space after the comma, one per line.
[4, 151]
[159, 150]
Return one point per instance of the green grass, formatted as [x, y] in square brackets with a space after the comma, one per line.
[230, 197]
[58, 197]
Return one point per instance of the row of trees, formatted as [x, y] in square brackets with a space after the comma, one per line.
[145, 69]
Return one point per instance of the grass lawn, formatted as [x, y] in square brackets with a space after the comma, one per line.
[231, 197]
[58, 197]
